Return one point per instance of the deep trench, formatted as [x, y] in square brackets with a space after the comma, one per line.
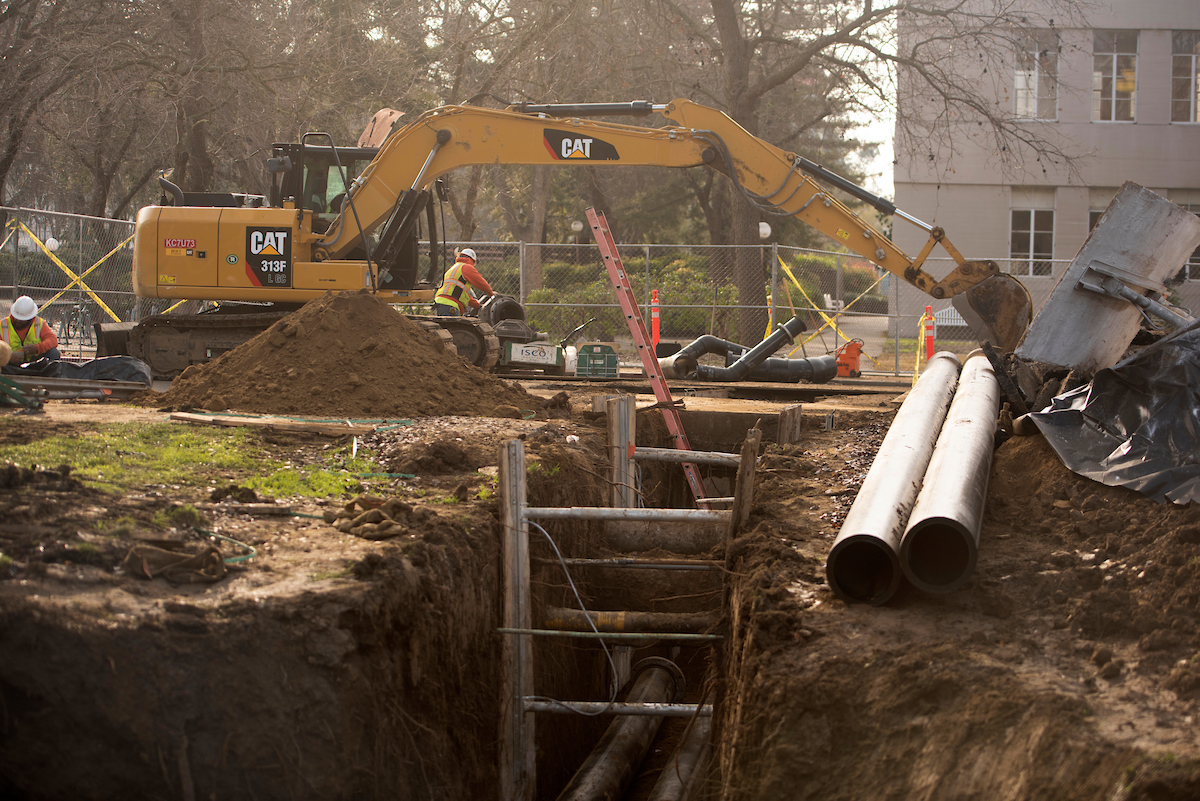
[387, 686]
[578, 669]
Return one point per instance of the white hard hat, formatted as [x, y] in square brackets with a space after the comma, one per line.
[469, 253]
[24, 308]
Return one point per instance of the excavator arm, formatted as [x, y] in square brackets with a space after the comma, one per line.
[779, 183]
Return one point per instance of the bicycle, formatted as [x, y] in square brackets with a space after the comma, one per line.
[78, 326]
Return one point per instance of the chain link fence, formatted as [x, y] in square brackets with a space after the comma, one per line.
[79, 270]
[566, 286]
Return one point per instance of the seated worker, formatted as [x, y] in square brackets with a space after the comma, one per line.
[454, 295]
[29, 336]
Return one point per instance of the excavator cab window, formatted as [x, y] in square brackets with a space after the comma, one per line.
[314, 180]
[324, 187]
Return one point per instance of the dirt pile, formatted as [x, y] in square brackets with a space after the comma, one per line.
[344, 355]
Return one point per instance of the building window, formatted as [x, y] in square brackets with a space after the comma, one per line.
[1032, 243]
[1036, 90]
[1191, 268]
[1094, 217]
[1114, 75]
[1185, 89]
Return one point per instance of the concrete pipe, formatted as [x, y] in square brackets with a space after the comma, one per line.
[939, 549]
[609, 769]
[864, 563]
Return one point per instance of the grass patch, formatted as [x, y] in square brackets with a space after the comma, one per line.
[123, 526]
[308, 481]
[132, 456]
[183, 516]
[338, 476]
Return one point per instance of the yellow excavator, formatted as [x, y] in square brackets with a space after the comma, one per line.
[329, 225]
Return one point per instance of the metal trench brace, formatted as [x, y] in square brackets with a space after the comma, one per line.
[13, 394]
[658, 685]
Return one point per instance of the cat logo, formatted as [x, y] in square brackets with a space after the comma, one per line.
[268, 257]
[566, 146]
[268, 243]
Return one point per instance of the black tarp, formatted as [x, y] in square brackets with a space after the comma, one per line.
[1137, 425]
[110, 368]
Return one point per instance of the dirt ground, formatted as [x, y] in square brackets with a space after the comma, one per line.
[1066, 668]
[361, 663]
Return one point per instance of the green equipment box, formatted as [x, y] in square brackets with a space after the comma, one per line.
[537, 355]
[597, 360]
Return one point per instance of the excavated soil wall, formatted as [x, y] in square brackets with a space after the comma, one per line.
[370, 671]
[1065, 668]
[331, 694]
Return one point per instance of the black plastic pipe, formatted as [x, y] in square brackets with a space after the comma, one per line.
[864, 562]
[609, 769]
[742, 367]
[816, 370]
[685, 772]
[683, 363]
[940, 546]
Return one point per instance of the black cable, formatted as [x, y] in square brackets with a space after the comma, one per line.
[347, 199]
[611, 664]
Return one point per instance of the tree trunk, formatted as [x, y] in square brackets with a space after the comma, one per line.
[193, 164]
[535, 218]
[463, 208]
[742, 105]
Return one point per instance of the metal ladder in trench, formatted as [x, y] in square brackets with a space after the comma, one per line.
[520, 703]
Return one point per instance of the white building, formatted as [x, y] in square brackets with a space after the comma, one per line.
[1124, 93]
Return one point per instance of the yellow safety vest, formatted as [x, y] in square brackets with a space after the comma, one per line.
[454, 289]
[9, 334]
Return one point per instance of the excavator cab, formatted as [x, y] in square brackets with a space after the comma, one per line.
[315, 177]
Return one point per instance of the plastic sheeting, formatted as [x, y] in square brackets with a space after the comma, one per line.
[110, 368]
[1137, 425]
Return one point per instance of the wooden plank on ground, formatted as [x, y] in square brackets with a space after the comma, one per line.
[275, 423]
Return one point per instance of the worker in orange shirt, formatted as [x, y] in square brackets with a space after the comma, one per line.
[454, 296]
[30, 337]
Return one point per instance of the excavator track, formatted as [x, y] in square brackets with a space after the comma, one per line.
[444, 340]
[170, 343]
[475, 340]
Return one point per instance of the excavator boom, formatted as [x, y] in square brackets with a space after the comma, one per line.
[778, 182]
[296, 248]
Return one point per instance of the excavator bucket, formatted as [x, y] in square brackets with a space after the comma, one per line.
[998, 310]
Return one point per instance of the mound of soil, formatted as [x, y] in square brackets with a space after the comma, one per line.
[343, 355]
